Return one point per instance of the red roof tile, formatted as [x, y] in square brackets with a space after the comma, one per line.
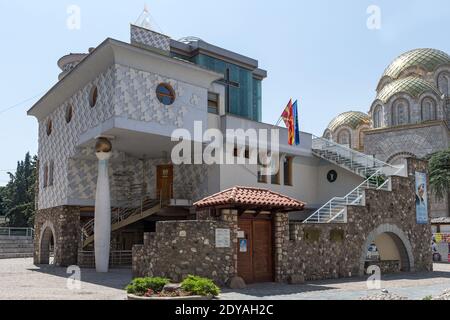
[249, 197]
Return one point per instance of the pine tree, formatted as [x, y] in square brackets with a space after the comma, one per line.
[17, 198]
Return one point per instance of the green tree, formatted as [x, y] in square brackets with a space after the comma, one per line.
[17, 198]
[439, 166]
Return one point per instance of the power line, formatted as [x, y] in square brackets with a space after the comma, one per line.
[20, 103]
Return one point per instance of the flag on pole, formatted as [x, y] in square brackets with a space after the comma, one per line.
[296, 123]
[288, 118]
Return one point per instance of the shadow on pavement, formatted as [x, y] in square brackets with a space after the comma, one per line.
[115, 279]
[281, 289]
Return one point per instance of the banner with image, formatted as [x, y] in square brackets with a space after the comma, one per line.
[421, 198]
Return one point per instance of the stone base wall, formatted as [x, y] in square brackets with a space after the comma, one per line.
[386, 267]
[181, 248]
[301, 251]
[325, 251]
[64, 224]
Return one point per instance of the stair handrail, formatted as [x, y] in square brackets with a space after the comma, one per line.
[122, 214]
[23, 232]
[352, 151]
[364, 185]
[346, 197]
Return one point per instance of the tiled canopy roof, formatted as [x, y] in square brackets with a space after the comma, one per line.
[414, 86]
[246, 197]
[428, 59]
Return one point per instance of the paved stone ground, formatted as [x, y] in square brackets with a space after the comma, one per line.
[20, 279]
[413, 286]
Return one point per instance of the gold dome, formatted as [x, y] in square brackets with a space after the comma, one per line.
[413, 86]
[103, 145]
[352, 119]
[428, 59]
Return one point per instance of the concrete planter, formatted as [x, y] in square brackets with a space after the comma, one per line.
[188, 298]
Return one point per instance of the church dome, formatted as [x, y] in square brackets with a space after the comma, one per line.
[427, 59]
[413, 86]
[352, 119]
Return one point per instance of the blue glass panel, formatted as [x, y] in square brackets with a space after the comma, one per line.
[242, 99]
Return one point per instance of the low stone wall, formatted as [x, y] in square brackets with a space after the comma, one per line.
[64, 223]
[386, 267]
[180, 248]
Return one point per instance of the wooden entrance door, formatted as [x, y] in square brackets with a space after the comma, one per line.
[164, 181]
[255, 251]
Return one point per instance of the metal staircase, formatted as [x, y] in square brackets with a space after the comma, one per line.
[377, 174]
[121, 218]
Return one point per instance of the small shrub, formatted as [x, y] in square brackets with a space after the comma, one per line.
[428, 298]
[141, 286]
[200, 286]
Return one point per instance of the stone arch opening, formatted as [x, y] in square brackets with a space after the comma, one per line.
[47, 244]
[398, 158]
[391, 246]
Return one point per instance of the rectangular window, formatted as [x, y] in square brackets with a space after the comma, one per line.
[287, 170]
[213, 103]
[45, 178]
[275, 179]
[237, 153]
[51, 170]
[262, 177]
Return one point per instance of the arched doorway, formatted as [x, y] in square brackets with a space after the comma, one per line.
[387, 243]
[47, 244]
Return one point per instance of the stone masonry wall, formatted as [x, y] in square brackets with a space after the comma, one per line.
[385, 212]
[64, 223]
[180, 248]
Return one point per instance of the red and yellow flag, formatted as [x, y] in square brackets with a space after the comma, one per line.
[288, 118]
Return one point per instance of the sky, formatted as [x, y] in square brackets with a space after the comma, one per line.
[320, 52]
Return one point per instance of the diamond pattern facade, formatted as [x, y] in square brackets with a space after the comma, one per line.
[122, 92]
[149, 38]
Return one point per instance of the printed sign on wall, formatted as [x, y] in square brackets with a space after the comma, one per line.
[421, 198]
[223, 238]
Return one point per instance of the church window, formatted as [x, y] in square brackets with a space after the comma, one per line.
[344, 138]
[378, 117]
[444, 83]
[361, 139]
[428, 109]
[165, 94]
[69, 113]
[400, 113]
[93, 96]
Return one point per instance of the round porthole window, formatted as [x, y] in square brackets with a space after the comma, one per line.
[49, 127]
[165, 94]
[93, 96]
[332, 176]
[69, 113]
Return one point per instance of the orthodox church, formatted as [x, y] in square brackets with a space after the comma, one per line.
[410, 116]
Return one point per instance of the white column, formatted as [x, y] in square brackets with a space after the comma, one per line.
[102, 232]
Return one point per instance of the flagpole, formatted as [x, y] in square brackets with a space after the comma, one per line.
[278, 122]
